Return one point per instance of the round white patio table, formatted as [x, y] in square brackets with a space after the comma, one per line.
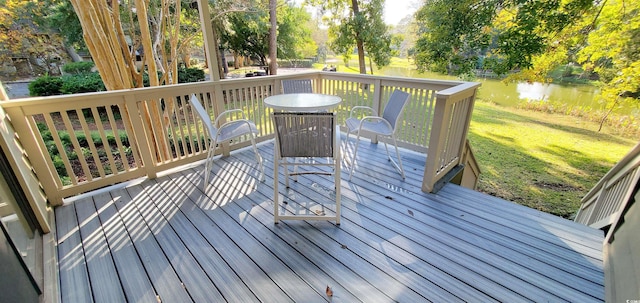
[302, 102]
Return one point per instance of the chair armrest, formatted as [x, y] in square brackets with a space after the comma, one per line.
[362, 107]
[228, 112]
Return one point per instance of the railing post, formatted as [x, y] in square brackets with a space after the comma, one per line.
[467, 124]
[441, 114]
[277, 86]
[452, 117]
[318, 82]
[28, 181]
[40, 165]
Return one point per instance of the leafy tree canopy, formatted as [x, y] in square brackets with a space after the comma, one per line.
[22, 35]
[63, 19]
[509, 33]
[613, 50]
[248, 33]
[357, 24]
[451, 35]
[527, 39]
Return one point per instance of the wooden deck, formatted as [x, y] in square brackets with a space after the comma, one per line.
[165, 240]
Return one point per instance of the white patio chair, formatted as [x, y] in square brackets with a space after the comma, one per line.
[227, 131]
[297, 86]
[307, 135]
[383, 126]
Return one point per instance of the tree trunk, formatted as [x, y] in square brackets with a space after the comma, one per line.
[72, 53]
[359, 41]
[186, 59]
[222, 65]
[223, 61]
[273, 45]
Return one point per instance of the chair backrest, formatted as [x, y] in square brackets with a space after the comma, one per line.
[297, 86]
[305, 134]
[202, 113]
[394, 107]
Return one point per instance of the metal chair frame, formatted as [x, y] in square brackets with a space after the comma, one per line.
[227, 131]
[307, 135]
[385, 125]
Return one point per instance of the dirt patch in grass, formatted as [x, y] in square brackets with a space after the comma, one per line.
[556, 186]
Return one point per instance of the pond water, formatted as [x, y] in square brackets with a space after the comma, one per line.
[513, 94]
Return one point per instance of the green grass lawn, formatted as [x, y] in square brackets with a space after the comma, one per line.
[544, 161]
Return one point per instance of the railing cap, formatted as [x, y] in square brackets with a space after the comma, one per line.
[464, 86]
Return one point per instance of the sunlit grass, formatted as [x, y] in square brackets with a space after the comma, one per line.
[544, 161]
[352, 67]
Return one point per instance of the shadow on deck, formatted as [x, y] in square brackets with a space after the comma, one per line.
[165, 240]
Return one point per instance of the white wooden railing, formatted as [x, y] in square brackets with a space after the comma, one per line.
[604, 204]
[153, 129]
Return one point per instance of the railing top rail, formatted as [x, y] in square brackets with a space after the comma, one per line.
[404, 80]
[458, 89]
[445, 87]
[31, 101]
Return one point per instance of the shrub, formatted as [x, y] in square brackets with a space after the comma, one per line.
[87, 82]
[185, 75]
[45, 86]
[191, 74]
[59, 165]
[78, 67]
[82, 83]
[191, 143]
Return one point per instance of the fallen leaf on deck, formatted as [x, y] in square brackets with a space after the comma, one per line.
[343, 246]
[388, 197]
[329, 291]
[410, 212]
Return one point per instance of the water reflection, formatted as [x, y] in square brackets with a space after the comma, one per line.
[512, 95]
[533, 91]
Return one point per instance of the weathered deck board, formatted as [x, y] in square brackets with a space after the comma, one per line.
[194, 280]
[355, 233]
[293, 287]
[395, 243]
[539, 230]
[317, 278]
[131, 273]
[506, 266]
[99, 264]
[245, 270]
[329, 254]
[74, 277]
[211, 262]
[167, 284]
